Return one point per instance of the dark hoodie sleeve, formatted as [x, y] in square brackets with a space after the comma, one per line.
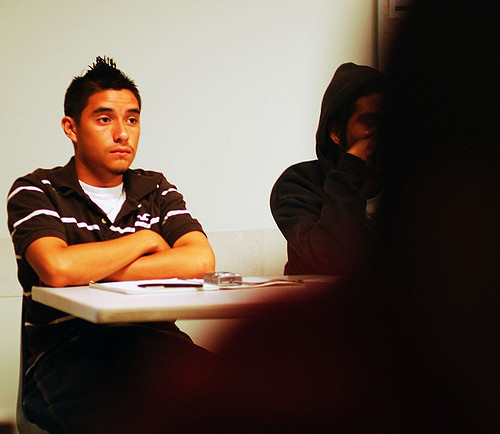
[322, 218]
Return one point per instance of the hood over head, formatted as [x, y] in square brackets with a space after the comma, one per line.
[348, 81]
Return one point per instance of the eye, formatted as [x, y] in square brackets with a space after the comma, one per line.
[133, 121]
[370, 121]
[103, 120]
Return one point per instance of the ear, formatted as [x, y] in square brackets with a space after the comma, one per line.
[69, 127]
[335, 135]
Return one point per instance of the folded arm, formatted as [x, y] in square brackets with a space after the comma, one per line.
[58, 264]
[190, 257]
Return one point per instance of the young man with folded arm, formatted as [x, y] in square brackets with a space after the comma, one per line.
[97, 219]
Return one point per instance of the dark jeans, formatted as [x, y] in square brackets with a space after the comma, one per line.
[94, 383]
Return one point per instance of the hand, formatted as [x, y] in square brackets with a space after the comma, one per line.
[154, 240]
[190, 257]
[364, 148]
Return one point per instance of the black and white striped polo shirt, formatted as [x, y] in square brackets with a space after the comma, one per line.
[51, 202]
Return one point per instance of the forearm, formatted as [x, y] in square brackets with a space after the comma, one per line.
[192, 257]
[58, 264]
[334, 242]
[183, 262]
[329, 246]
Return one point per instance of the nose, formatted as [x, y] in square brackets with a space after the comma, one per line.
[120, 133]
[372, 129]
[371, 132]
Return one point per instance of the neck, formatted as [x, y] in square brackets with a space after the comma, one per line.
[98, 179]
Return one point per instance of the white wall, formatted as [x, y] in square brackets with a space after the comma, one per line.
[231, 89]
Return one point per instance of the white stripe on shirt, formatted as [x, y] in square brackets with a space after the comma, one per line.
[56, 321]
[170, 190]
[175, 213]
[36, 213]
[80, 224]
[27, 187]
[122, 230]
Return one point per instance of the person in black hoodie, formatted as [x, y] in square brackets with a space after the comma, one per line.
[323, 207]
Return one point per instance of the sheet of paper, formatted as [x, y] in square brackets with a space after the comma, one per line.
[158, 286]
[154, 286]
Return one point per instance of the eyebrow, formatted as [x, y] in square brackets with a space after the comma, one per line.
[110, 110]
[369, 115]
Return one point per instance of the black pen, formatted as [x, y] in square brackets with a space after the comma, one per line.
[171, 285]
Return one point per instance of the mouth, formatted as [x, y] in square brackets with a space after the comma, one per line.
[121, 152]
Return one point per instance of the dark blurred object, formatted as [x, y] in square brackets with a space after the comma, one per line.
[438, 247]
[7, 428]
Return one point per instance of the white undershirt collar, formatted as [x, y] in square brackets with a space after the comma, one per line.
[109, 199]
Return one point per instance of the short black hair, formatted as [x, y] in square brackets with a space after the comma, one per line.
[101, 75]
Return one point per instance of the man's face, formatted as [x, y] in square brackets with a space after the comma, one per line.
[362, 124]
[365, 121]
[106, 137]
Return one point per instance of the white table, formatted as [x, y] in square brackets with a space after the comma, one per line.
[99, 306]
